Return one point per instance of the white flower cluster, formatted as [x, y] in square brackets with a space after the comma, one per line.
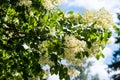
[104, 19]
[48, 4]
[46, 74]
[75, 17]
[101, 18]
[52, 31]
[94, 49]
[45, 60]
[73, 72]
[16, 21]
[6, 18]
[89, 16]
[25, 3]
[73, 46]
[42, 46]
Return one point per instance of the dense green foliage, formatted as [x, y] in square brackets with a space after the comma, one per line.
[32, 36]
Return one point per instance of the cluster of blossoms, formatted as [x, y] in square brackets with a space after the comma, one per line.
[89, 16]
[51, 3]
[101, 18]
[45, 60]
[52, 31]
[73, 46]
[94, 49]
[25, 3]
[73, 72]
[42, 46]
[75, 17]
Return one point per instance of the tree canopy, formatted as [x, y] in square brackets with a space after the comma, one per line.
[34, 33]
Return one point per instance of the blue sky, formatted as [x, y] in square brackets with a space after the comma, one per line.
[79, 6]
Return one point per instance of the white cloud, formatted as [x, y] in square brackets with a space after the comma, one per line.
[99, 68]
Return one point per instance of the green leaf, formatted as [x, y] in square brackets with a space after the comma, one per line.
[99, 55]
[117, 29]
[70, 12]
[45, 18]
[102, 55]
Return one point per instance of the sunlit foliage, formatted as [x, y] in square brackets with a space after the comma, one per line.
[34, 33]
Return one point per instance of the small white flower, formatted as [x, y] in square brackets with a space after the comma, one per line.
[45, 60]
[16, 74]
[48, 4]
[25, 3]
[73, 72]
[16, 21]
[6, 18]
[31, 13]
[25, 46]
[53, 31]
